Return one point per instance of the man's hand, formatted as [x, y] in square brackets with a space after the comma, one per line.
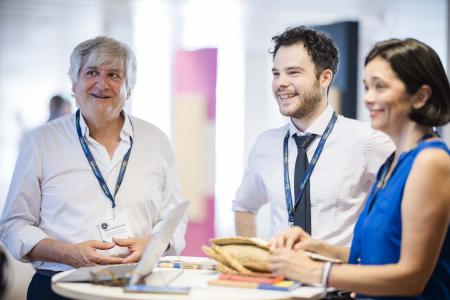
[135, 245]
[85, 254]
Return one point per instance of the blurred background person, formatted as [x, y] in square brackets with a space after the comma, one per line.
[58, 107]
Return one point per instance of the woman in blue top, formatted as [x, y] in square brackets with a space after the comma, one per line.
[401, 243]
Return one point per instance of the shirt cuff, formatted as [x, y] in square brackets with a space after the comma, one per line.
[27, 238]
[238, 207]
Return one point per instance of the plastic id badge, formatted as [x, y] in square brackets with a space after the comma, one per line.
[118, 227]
[143, 288]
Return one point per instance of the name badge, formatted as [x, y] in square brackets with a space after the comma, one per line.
[118, 227]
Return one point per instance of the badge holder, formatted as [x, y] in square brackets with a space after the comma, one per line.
[117, 227]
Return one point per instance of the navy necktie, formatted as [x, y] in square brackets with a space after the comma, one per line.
[302, 212]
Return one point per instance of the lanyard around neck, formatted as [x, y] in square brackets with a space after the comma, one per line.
[287, 185]
[95, 168]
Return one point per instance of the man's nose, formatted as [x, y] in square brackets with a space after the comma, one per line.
[102, 81]
[281, 81]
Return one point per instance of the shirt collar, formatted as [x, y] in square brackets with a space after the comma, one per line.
[317, 127]
[125, 133]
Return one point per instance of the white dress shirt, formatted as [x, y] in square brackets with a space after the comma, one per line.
[55, 194]
[339, 184]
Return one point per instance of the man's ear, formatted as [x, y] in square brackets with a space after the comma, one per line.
[325, 78]
[421, 97]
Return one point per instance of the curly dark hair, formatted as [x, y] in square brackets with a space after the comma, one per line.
[417, 64]
[319, 45]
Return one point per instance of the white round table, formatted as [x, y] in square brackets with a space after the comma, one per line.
[196, 279]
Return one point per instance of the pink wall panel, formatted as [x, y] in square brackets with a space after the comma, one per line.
[194, 105]
[195, 72]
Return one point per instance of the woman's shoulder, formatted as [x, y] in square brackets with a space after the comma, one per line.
[433, 159]
[433, 151]
[436, 153]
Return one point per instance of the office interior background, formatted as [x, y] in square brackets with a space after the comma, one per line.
[204, 77]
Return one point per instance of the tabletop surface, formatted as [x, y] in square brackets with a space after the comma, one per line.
[196, 279]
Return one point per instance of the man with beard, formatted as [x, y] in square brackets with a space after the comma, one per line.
[316, 171]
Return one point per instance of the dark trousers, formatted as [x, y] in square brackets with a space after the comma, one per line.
[40, 287]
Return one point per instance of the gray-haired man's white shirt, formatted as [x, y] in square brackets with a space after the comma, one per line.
[55, 194]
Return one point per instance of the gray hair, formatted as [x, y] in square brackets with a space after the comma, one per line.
[104, 50]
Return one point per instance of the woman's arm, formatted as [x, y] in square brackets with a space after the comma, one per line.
[324, 248]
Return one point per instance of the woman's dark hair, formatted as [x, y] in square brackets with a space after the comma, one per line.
[417, 64]
[318, 44]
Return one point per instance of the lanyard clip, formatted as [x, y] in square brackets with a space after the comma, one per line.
[291, 224]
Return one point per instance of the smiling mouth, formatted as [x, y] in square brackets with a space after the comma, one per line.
[286, 96]
[374, 112]
[101, 96]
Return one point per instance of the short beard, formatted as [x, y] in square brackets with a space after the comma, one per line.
[308, 105]
[308, 102]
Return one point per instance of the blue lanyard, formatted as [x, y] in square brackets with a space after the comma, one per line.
[95, 168]
[309, 169]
